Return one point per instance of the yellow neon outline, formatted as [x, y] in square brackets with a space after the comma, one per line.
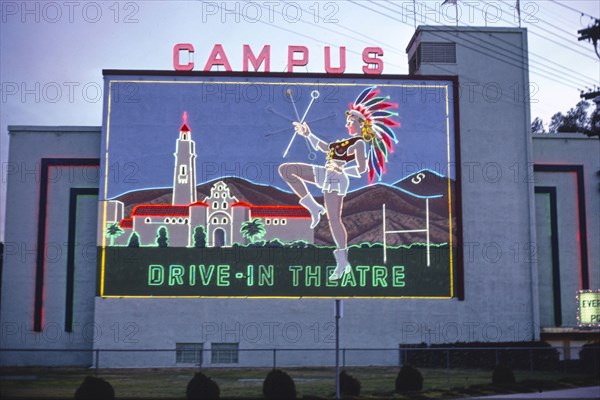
[276, 83]
[449, 192]
[275, 297]
[102, 250]
[105, 207]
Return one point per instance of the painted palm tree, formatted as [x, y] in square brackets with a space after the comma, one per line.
[113, 231]
[253, 230]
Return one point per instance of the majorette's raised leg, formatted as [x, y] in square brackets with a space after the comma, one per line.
[315, 209]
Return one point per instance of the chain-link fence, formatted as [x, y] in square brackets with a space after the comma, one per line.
[547, 358]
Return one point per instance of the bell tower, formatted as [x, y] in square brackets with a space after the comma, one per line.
[184, 175]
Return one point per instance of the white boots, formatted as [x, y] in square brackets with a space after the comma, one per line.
[341, 255]
[314, 208]
[343, 266]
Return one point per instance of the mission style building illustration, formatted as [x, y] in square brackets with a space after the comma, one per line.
[221, 216]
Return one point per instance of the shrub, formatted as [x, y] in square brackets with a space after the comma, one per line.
[199, 237]
[279, 385]
[94, 389]
[349, 386]
[201, 387]
[409, 379]
[275, 243]
[134, 240]
[502, 375]
[589, 357]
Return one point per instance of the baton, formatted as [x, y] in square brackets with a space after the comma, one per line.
[313, 96]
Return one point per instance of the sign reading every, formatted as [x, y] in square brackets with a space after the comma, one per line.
[588, 308]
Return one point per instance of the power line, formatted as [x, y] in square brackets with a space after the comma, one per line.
[551, 40]
[517, 57]
[546, 22]
[450, 72]
[573, 9]
[500, 100]
[555, 77]
[392, 48]
[295, 32]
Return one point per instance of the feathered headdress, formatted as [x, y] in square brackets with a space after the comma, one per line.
[377, 128]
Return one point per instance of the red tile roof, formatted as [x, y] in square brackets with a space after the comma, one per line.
[279, 211]
[160, 210]
[167, 210]
[126, 223]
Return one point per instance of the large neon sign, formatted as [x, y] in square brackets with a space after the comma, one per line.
[264, 185]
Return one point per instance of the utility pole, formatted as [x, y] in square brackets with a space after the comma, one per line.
[591, 33]
[593, 95]
[339, 313]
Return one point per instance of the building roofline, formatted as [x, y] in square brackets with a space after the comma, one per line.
[447, 28]
[283, 75]
[13, 129]
[563, 135]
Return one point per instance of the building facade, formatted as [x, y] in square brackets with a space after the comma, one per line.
[510, 268]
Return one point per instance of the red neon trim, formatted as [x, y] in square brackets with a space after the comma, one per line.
[47, 207]
[578, 231]
[241, 204]
[167, 210]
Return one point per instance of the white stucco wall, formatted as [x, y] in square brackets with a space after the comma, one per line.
[28, 145]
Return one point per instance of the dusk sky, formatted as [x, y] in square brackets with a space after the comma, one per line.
[52, 53]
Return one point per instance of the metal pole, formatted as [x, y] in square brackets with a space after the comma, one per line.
[456, 14]
[97, 360]
[448, 368]
[497, 357]
[337, 349]
[530, 360]
[400, 358]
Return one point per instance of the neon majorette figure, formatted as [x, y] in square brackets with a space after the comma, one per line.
[369, 125]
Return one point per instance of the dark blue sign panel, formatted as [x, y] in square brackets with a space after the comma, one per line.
[262, 185]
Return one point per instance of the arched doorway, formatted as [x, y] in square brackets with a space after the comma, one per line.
[219, 237]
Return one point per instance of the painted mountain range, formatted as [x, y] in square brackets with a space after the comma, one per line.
[362, 213]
